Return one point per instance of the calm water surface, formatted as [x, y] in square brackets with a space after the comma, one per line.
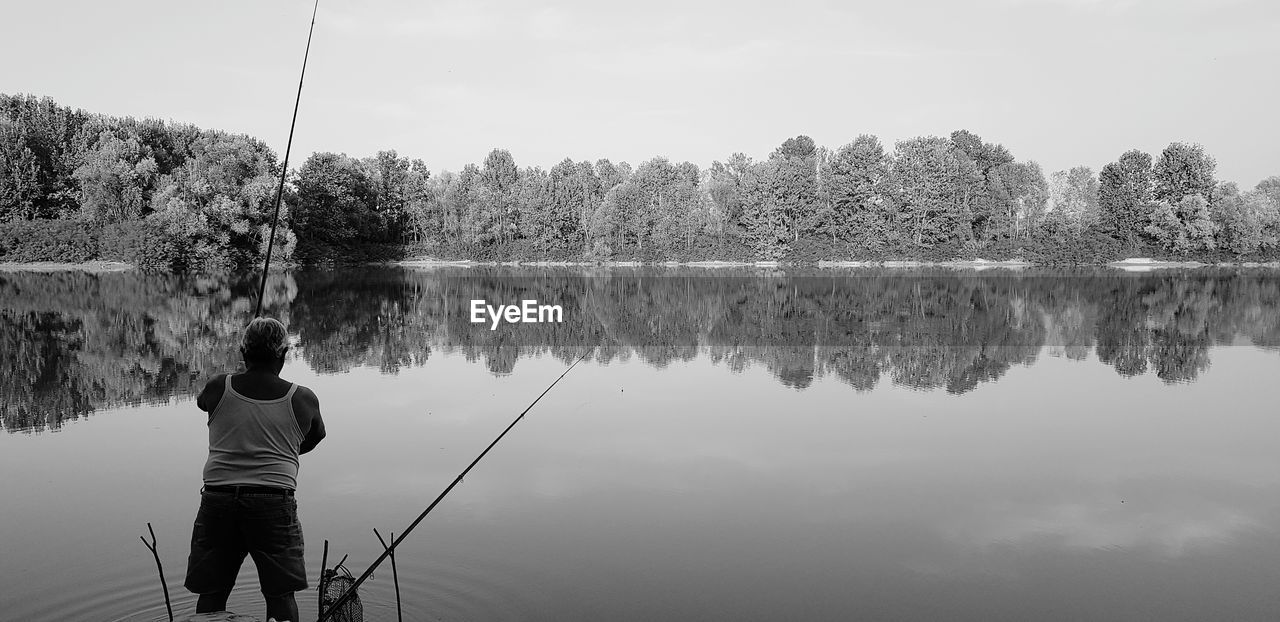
[737, 445]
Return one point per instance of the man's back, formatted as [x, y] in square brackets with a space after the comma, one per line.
[253, 441]
[303, 402]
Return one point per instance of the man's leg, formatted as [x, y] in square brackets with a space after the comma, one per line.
[215, 601]
[277, 550]
[216, 554]
[282, 608]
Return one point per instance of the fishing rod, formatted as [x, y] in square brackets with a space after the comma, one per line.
[284, 170]
[389, 550]
[266, 263]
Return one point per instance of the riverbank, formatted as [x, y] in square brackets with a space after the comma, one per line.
[427, 262]
[1129, 264]
[1132, 264]
[57, 266]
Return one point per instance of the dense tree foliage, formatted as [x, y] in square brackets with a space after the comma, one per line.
[1183, 227]
[164, 196]
[933, 186]
[1125, 194]
[1246, 223]
[1183, 170]
[1073, 198]
[859, 206]
[175, 197]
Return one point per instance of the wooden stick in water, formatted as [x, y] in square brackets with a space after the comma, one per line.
[324, 562]
[159, 568]
[395, 578]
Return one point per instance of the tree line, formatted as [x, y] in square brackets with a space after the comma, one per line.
[75, 186]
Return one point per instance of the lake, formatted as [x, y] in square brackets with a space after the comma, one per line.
[736, 444]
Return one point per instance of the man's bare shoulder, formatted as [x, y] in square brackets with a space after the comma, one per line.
[212, 393]
[306, 397]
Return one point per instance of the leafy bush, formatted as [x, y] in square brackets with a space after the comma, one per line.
[153, 245]
[69, 241]
[315, 253]
[140, 243]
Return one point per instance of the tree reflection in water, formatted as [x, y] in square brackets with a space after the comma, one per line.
[74, 342]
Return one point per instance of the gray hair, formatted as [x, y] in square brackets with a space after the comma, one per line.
[264, 338]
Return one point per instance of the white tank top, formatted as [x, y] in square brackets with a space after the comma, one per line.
[253, 442]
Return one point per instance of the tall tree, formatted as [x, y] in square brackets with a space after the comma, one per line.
[686, 215]
[1184, 227]
[37, 148]
[1073, 196]
[215, 208]
[534, 203]
[1271, 188]
[501, 179]
[438, 217]
[420, 207]
[737, 169]
[860, 195]
[929, 206]
[1022, 194]
[592, 194]
[611, 225]
[22, 192]
[1125, 194]
[1181, 171]
[567, 196]
[794, 186]
[468, 199]
[116, 180]
[722, 185]
[1245, 223]
[335, 202]
[395, 181]
[974, 180]
[764, 220]
[656, 180]
[984, 155]
[609, 174]
[780, 197]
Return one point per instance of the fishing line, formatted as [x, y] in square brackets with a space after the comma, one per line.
[284, 170]
[388, 550]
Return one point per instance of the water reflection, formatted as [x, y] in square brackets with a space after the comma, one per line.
[75, 342]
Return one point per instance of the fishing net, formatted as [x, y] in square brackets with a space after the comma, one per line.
[333, 584]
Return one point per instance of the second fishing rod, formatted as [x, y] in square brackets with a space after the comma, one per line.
[390, 549]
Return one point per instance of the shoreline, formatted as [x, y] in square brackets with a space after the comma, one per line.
[1132, 264]
[59, 266]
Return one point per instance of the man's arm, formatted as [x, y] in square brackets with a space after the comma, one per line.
[307, 407]
[212, 394]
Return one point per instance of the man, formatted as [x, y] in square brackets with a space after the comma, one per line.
[259, 424]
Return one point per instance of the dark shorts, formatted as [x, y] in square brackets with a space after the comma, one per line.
[229, 526]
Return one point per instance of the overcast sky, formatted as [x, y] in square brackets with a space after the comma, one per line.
[1062, 82]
